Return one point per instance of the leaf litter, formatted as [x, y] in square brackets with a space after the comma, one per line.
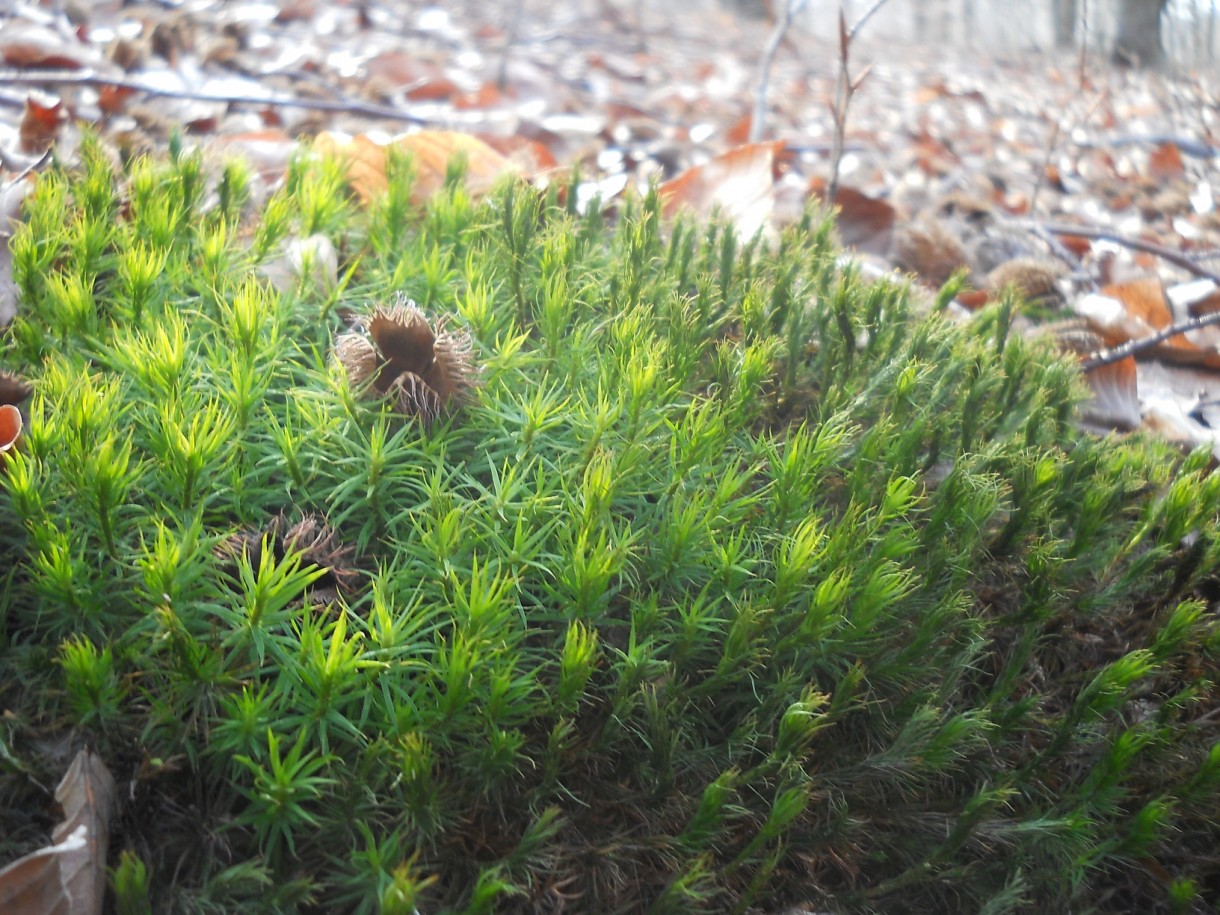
[1019, 144]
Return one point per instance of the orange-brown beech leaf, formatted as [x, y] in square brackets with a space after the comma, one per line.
[1115, 402]
[487, 95]
[739, 184]
[69, 876]
[529, 155]
[25, 45]
[865, 223]
[430, 151]
[1165, 162]
[1147, 310]
[739, 131]
[1077, 245]
[394, 70]
[39, 125]
[113, 99]
[974, 299]
[433, 89]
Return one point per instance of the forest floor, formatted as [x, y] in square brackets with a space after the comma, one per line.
[933, 140]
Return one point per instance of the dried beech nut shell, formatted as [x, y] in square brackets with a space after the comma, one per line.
[1034, 279]
[425, 370]
[312, 537]
[930, 250]
[13, 388]
[358, 357]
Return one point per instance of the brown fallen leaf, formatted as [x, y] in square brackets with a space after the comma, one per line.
[864, 223]
[739, 184]
[1147, 309]
[69, 876]
[431, 152]
[26, 45]
[1165, 162]
[39, 125]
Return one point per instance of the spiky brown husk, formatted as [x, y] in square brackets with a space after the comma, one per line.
[929, 249]
[425, 369]
[1036, 280]
[311, 536]
[13, 388]
[358, 357]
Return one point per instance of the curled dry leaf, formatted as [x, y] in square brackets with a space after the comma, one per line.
[739, 184]
[864, 223]
[40, 125]
[69, 876]
[1165, 163]
[431, 151]
[425, 370]
[1139, 308]
[26, 45]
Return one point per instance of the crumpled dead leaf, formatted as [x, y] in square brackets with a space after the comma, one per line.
[431, 152]
[1138, 308]
[69, 876]
[315, 253]
[739, 184]
[865, 223]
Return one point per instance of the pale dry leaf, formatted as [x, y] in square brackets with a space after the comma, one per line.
[865, 223]
[69, 876]
[738, 184]
[1146, 305]
[430, 151]
[314, 253]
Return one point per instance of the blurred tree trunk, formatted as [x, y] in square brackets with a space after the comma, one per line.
[1067, 14]
[1139, 33]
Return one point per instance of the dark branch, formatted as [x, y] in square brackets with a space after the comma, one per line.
[87, 78]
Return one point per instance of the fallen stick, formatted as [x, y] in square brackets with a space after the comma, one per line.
[87, 78]
[1176, 258]
[1102, 357]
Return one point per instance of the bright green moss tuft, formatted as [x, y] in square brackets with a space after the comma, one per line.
[732, 584]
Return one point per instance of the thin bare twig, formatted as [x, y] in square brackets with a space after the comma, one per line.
[1046, 164]
[1084, 43]
[845, 90]
[1177, 258]
[88, 78]
[511, 39]
[1131, 347]
[792, 9]
[865, 17]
